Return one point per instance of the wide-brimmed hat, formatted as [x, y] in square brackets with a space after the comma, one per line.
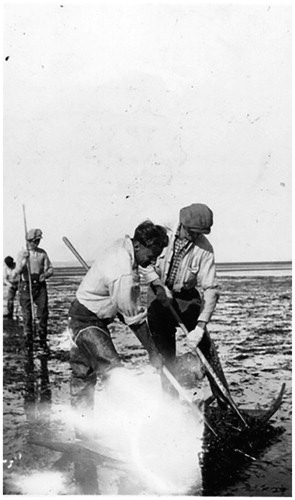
[198, 217]
[34, 234]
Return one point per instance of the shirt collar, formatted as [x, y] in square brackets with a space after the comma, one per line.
[130, 248]
[177, 235]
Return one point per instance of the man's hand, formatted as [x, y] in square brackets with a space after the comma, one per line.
[42, 277]
[12, 286]
[23, 255]
[194, 337]
[162, 295]
[148, 273]
[22, 259]
[156, 360]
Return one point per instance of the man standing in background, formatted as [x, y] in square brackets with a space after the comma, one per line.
[10, 281]
[34, 267]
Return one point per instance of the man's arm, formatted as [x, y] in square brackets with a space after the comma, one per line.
[21, 262]
[207, 280]
[48, 268]
[125, 293]
[151, 278]
[5, 277]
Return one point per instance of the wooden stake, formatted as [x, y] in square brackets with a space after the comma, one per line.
[29, 273]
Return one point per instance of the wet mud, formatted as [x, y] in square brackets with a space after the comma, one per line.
[252, 329]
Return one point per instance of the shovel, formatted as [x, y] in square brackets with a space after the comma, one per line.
[221, 389]
[184, 396]
[262, 416]
[217, 384]
[166, 372]
[254, 416]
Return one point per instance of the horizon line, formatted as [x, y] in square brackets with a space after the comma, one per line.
[72, 263]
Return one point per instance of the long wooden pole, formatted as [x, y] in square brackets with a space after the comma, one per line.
[74, 251]
[29, 272]
[182, 393]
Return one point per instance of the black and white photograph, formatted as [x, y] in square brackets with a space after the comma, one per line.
[147, 248]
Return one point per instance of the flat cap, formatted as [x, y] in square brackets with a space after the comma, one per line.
[198, 217]
[34, 234]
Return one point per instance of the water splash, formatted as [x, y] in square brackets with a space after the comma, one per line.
[41, 483]
[159, 438]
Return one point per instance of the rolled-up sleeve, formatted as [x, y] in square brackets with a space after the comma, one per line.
[207, 281]
[148, 274]
[125, 294]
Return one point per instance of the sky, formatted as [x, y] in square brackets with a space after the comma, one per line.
[117, 112]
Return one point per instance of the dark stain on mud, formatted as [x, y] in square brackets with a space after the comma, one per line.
[252, 329]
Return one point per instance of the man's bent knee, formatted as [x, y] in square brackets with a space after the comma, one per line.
[96, 344]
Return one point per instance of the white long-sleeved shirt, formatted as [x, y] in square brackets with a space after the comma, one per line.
[112, 285]
[196, 270]
[9, 277]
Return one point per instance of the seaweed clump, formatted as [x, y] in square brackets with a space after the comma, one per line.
[234, 447]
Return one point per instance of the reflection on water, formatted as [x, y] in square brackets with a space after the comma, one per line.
[37, 390]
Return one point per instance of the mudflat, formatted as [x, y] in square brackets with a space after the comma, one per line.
[252, 330]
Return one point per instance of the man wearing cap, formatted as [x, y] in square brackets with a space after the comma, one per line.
[35, 261]
[187, 271]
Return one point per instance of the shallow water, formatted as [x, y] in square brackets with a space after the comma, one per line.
[252, 329]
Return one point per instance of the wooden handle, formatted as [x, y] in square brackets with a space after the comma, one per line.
[29, 272]
[74, 251]
[225, 393]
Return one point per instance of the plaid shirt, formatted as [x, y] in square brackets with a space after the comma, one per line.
[180, 247]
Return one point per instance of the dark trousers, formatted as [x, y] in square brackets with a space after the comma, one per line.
[40, 298]
[163, 325]
[11, 292]
[94, 353]
[163, 329]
